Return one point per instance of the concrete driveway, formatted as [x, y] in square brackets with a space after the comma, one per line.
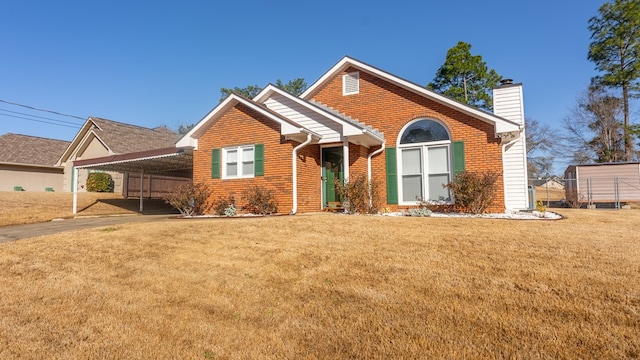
[17, 232]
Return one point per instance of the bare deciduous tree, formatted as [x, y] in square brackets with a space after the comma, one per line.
[540, 149]
[595, 130]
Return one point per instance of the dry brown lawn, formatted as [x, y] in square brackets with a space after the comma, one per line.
[32, 207]
[328, 287]
[544, 194]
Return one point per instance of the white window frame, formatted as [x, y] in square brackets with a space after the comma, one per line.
[239, 163]
[425, 162]
[352, 76]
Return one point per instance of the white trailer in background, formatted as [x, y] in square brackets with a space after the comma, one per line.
[603, 183]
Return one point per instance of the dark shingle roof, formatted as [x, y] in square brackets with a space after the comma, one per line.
[125, 138]
[31, 150]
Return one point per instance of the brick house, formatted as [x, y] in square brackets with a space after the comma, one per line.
[358, 120]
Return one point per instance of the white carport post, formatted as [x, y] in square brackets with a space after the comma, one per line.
[74, 178]
[141, 189]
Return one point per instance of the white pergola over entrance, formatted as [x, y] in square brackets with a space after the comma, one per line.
[171, 161]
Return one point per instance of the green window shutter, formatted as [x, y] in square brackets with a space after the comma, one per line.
[258, 164]
[458, 157]
[392, 176]
[215, 164]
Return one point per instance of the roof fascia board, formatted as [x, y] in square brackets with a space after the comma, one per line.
[31, 165]
[288, 127]
[338, 67]
[76, 141]
[82, 145]
[85, 131]
[190, 138]
[501, 124]
[105, 162]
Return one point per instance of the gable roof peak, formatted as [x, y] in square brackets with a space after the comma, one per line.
[501, 124]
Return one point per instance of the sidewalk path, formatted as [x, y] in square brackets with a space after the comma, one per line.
[17, 232]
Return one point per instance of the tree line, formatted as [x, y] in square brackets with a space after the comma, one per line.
[599, 126]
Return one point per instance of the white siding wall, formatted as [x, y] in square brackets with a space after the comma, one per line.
[515, 175]
[508, 103]
[329, 130]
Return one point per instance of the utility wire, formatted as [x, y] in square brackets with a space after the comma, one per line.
[49, 111]
[41, 121]
[39, 117]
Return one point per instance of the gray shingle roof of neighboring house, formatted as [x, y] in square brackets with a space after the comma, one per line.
[125, 138]
[30, 150]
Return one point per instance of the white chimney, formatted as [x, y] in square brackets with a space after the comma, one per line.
[507, 101]
[508, 104]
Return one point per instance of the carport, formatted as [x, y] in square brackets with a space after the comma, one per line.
[170, 161]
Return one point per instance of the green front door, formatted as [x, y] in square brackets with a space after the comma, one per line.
[332, 169]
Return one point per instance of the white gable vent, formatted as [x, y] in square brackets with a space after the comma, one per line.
[351, 83]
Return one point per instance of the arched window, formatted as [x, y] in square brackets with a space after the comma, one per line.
[423, 131]
[424, 161]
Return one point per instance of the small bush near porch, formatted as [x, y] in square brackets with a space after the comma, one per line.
[328, 286]
[190, 199]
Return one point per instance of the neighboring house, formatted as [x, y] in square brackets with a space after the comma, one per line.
[29, 163]
[100, 138]
[553, 182]
[605, 182]
[358, 120]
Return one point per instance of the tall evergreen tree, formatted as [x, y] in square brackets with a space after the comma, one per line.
[466, 77]
[296, 87]
[247, 91]
[615, 48]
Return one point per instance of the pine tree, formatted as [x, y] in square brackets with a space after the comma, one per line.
[466, 78]
[614, 48]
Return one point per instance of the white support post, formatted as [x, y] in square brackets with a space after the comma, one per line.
[345, 160]
[74, 178]
[141, 189]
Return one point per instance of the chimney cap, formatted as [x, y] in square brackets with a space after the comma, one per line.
[506, 82]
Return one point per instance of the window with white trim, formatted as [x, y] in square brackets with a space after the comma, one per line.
[424, 162]
[238, 162]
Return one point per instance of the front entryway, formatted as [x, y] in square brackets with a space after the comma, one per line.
[332, 169]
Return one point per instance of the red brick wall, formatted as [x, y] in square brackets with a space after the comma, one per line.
[309, 179]
[357, 160]
[388, 108]
[241, 126]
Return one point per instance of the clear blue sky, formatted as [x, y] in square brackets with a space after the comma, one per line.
[153, 63]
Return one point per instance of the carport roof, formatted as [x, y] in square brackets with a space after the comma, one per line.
[169, 161]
